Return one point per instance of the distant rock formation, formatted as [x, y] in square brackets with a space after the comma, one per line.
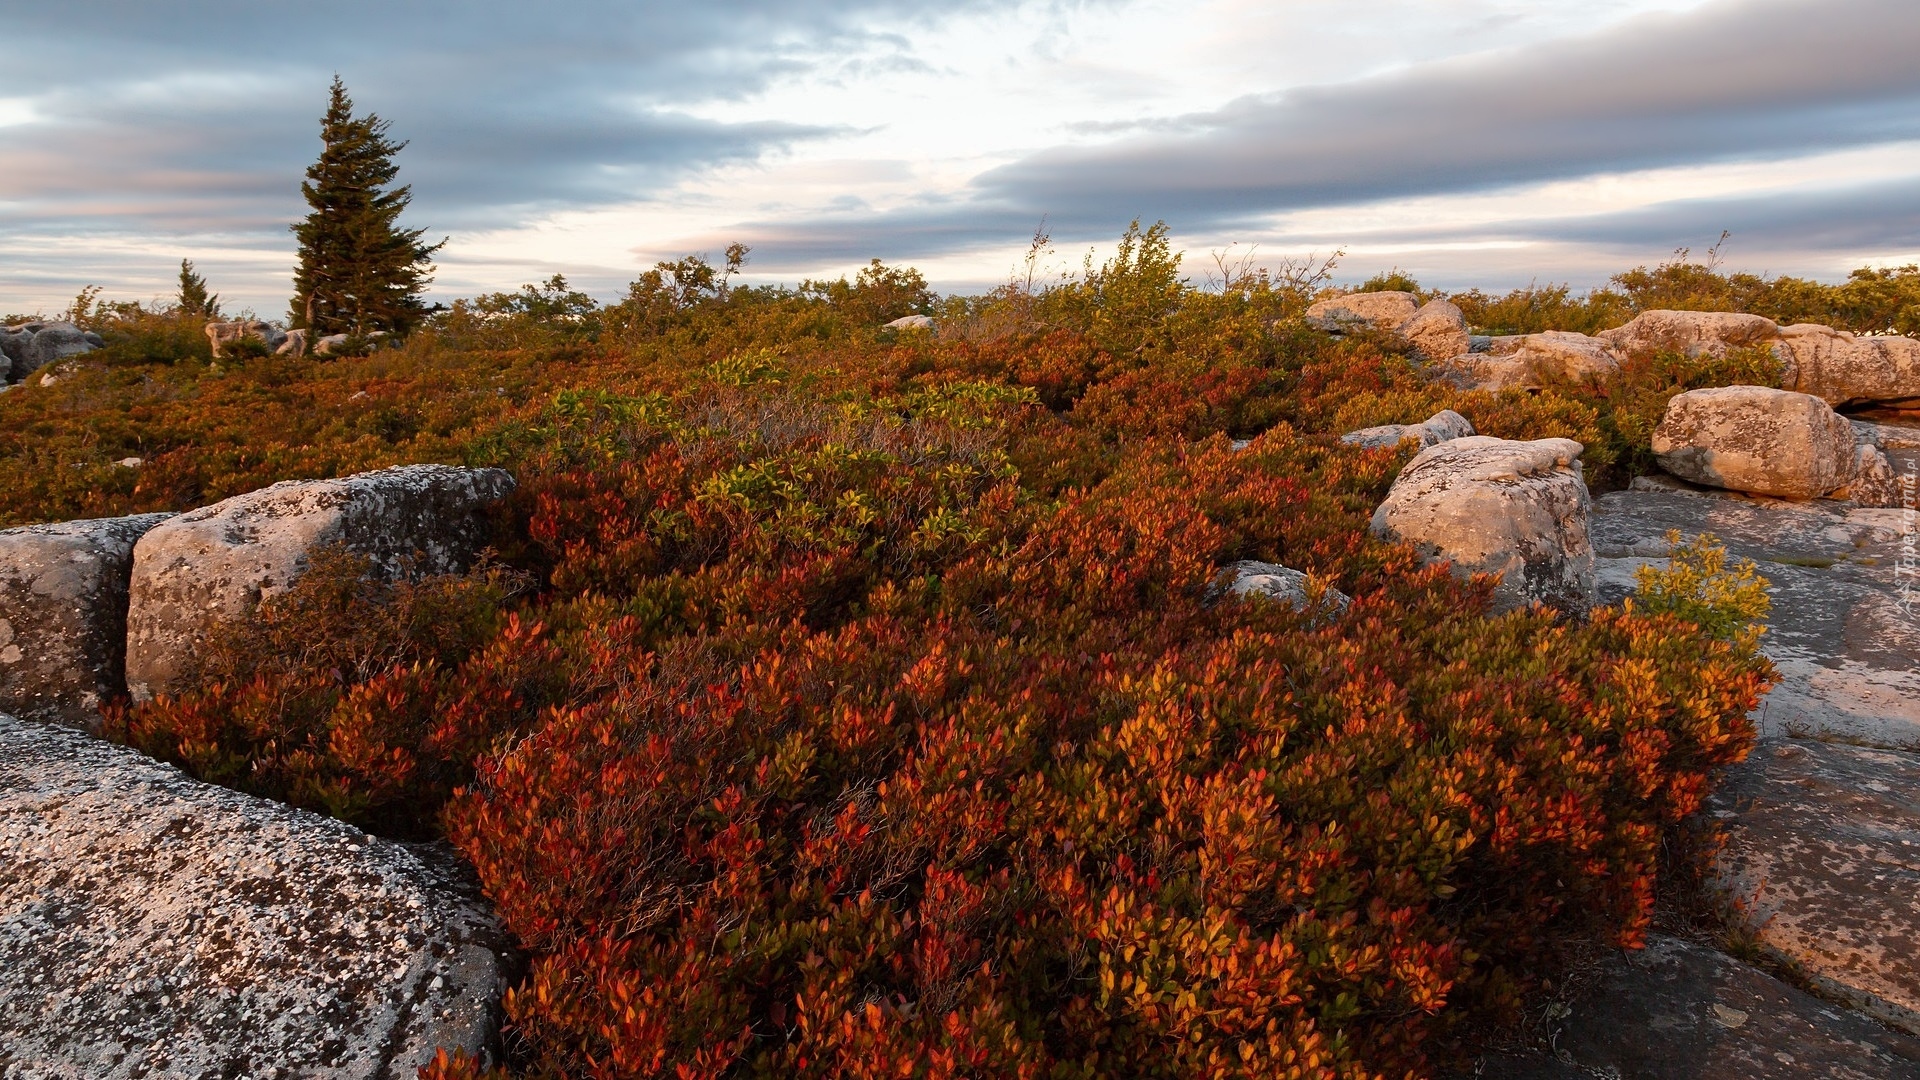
[28, 347]
[1436, 330]
[152, 925]
[224, 335]
[1443, 426]
[911, 322]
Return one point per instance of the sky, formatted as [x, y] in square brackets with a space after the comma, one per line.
[1486, 143]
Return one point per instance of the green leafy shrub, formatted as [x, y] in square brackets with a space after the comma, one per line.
[1730, 604]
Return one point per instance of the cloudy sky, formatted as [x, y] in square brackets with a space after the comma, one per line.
[1486, 142]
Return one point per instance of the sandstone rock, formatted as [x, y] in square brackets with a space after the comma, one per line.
[1756, 439]
[329, 344]
[1363, 311]
[1517, 509]
[152, 925]
[911, 322]
[51, 342]
[1527, 361]
[1848, 370]
[1821, 854]
[224, 334]
[295, 345]
[1437, 331]
[1680, 1011]
[1285, 585]
[1443, 426]
[1695, 333]
[220, 561]
[63, 617]
[1886, 436]
[1874, 482]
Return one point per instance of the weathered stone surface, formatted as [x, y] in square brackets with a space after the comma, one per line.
[224, 334]
[1363, 311]
[1680, 1011]
[1823, 857]
[1849, 370]
[1282, 584]
[294, 345]
[152, 925]
[51, 342]
[1756, 439]
[63, 616]
[1517, 509]
[1888, 435]
[1443, 426]
[1528, 361]
[1874, 483]
[13, 349]
[220, 561]
[911, 322]
[1437, 331]
[1695, 333]
[329, 344]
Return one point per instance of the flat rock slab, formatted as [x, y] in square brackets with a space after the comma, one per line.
[152, 925]
[1823, 856]
[1845, 627]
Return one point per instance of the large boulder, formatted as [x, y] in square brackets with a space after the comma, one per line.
[1848, 370]
[911, 322]
[1821, 862]
[1443, 426]
[1874, 483]
[152, 925]
[1281, 584]
[63, 616]
[51, 342]
[13, 349]
[1694, 333]
[294, 345]
[1756, 439]
[1528, 361]
[1363, 311]
[1516, 509]
[219, 562]
[1437, 331]
[223, 335]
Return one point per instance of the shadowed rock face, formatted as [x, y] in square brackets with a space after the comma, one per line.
[1678, 1011]
[151, 925]
[220, 561]
[32, 346]
[63, 616]
[1758, 440]
[1517, 509]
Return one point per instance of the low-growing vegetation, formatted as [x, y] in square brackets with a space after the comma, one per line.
[840, 702]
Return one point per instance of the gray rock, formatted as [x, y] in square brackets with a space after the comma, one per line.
[329, 344]
[13, 350]
[1517, 509]
[63, 617]
[911, 322]
[1443, 426]
[51, 342]
[219, 562]
[1823, 860]
[223, 334]
[1271, 581]
[1680, 1011]
[294, 345]
[152, 925]
[1362, 311]
[1756, 439]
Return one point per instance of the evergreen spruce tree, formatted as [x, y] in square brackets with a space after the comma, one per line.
[194, 299]
[359, 270]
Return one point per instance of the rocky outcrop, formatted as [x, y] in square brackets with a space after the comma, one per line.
[1443, 426]
[1848, 370]
[217, 563]
[1436, 330]
[1529, 361]
[1281, 584]
[1756, 439]
[32, 346]
[911, 322]
[1680, 1011]
[224, 335]
[63, 617]
[1874, 483]
[1516, 509]
[1693, 333]
[1823, 859]
[295, 345]
[152, 925]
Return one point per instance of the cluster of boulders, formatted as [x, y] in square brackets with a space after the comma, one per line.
[1843, 369]
[27, 347]
[154, 925]
[224, 335]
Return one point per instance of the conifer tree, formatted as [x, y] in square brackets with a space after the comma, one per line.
[359, 271]
[194, 298]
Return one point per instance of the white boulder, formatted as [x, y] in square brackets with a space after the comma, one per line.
[1757, 440]
[911, 322]
[1281, 584]
[1443, 426]
[1516, 509]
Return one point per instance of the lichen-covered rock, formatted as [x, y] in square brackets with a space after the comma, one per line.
[1282, 584]
[1823, 860]
[1680, 1011]
[1874, 483]
[152, 925]
[1443, 426]
[1517, 509]
[1528, 361]
[1694, 333]
[1437, 331]
[63, 617]
[911, 322]
[224, 334]
[1756, 439]
[219, 562]
[1847, 370]
[1363, 311]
